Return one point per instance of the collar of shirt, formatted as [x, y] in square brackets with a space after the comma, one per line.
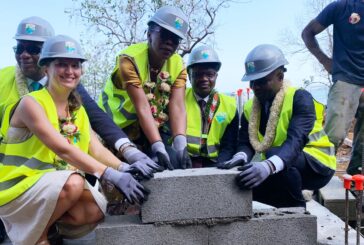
[42, 81]
[198, 98]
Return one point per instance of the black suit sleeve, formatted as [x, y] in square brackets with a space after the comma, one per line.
[229, 140]
[301, 124]
[101, 123]
[243, 139]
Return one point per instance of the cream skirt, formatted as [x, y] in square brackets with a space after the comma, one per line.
[26, 217]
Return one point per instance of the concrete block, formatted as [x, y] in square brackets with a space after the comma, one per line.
[332, 196]
[273, 228]
[330, 228]
[195, 194]
[128, 230]
[268, 227]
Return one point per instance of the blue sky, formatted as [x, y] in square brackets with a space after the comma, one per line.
[240, 29]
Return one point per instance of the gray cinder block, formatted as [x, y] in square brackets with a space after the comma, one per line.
[268, 227]
[128, 230]
[274, 228]
[195, 194]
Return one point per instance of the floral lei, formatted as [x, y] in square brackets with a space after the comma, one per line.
[158, 97]
[71, 133]
[270, 132]
[21, 82]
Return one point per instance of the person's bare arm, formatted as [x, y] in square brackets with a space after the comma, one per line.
[309, 38]
[144, 113]
[31, 115]
[102, 154]
[177, 111]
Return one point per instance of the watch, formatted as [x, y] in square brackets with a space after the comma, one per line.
[124, 146]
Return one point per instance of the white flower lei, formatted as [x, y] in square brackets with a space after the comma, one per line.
[272, 123]
[21, 82]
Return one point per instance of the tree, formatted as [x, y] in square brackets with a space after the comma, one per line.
[294, 45]
[115, 24]
[97, 68]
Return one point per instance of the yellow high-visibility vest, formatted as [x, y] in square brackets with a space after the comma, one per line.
[116, 102]
[23, 164]
[8, 88]
[223, 116]
[318, 145]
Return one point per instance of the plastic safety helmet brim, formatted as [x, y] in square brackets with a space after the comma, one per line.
[263, 60]
[34, 29]
[203, 55]
[171, 19]
[61, 46]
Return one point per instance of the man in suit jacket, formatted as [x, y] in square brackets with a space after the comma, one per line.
[212, 136]
[284, 125]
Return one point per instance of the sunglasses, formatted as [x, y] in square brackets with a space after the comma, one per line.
[31, 49]
[167, 35]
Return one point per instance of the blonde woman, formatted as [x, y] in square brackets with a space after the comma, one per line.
[43, 156]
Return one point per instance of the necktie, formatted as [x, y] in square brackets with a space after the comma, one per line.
[36, 86]
[202, 105]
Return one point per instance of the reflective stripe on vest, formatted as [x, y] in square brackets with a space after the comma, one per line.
[30, 163]
[31, 158]
[318, 146]
[116, 102]
[9, 183]
[223, 116]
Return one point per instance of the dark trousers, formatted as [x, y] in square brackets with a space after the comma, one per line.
[2, 231]
[284, 189]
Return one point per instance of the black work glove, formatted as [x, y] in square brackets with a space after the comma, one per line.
[239, 158]
[253, 174]
[184, 159]
[138, 168]
[163, 160]
[180, 146]
[132, 155]
[133, 191]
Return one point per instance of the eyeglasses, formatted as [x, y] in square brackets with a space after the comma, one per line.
[167, 35]
[209, 74]
[31, 49]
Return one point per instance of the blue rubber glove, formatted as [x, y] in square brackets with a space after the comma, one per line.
[239, 158]
[163, 160]
[180, 146]
[253, 174]
[133, 155]
[133, 191]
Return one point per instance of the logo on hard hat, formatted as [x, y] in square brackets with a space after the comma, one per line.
[70, 47]
[29, 28]
[250, 67]
[178, 23]
[205, 54]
